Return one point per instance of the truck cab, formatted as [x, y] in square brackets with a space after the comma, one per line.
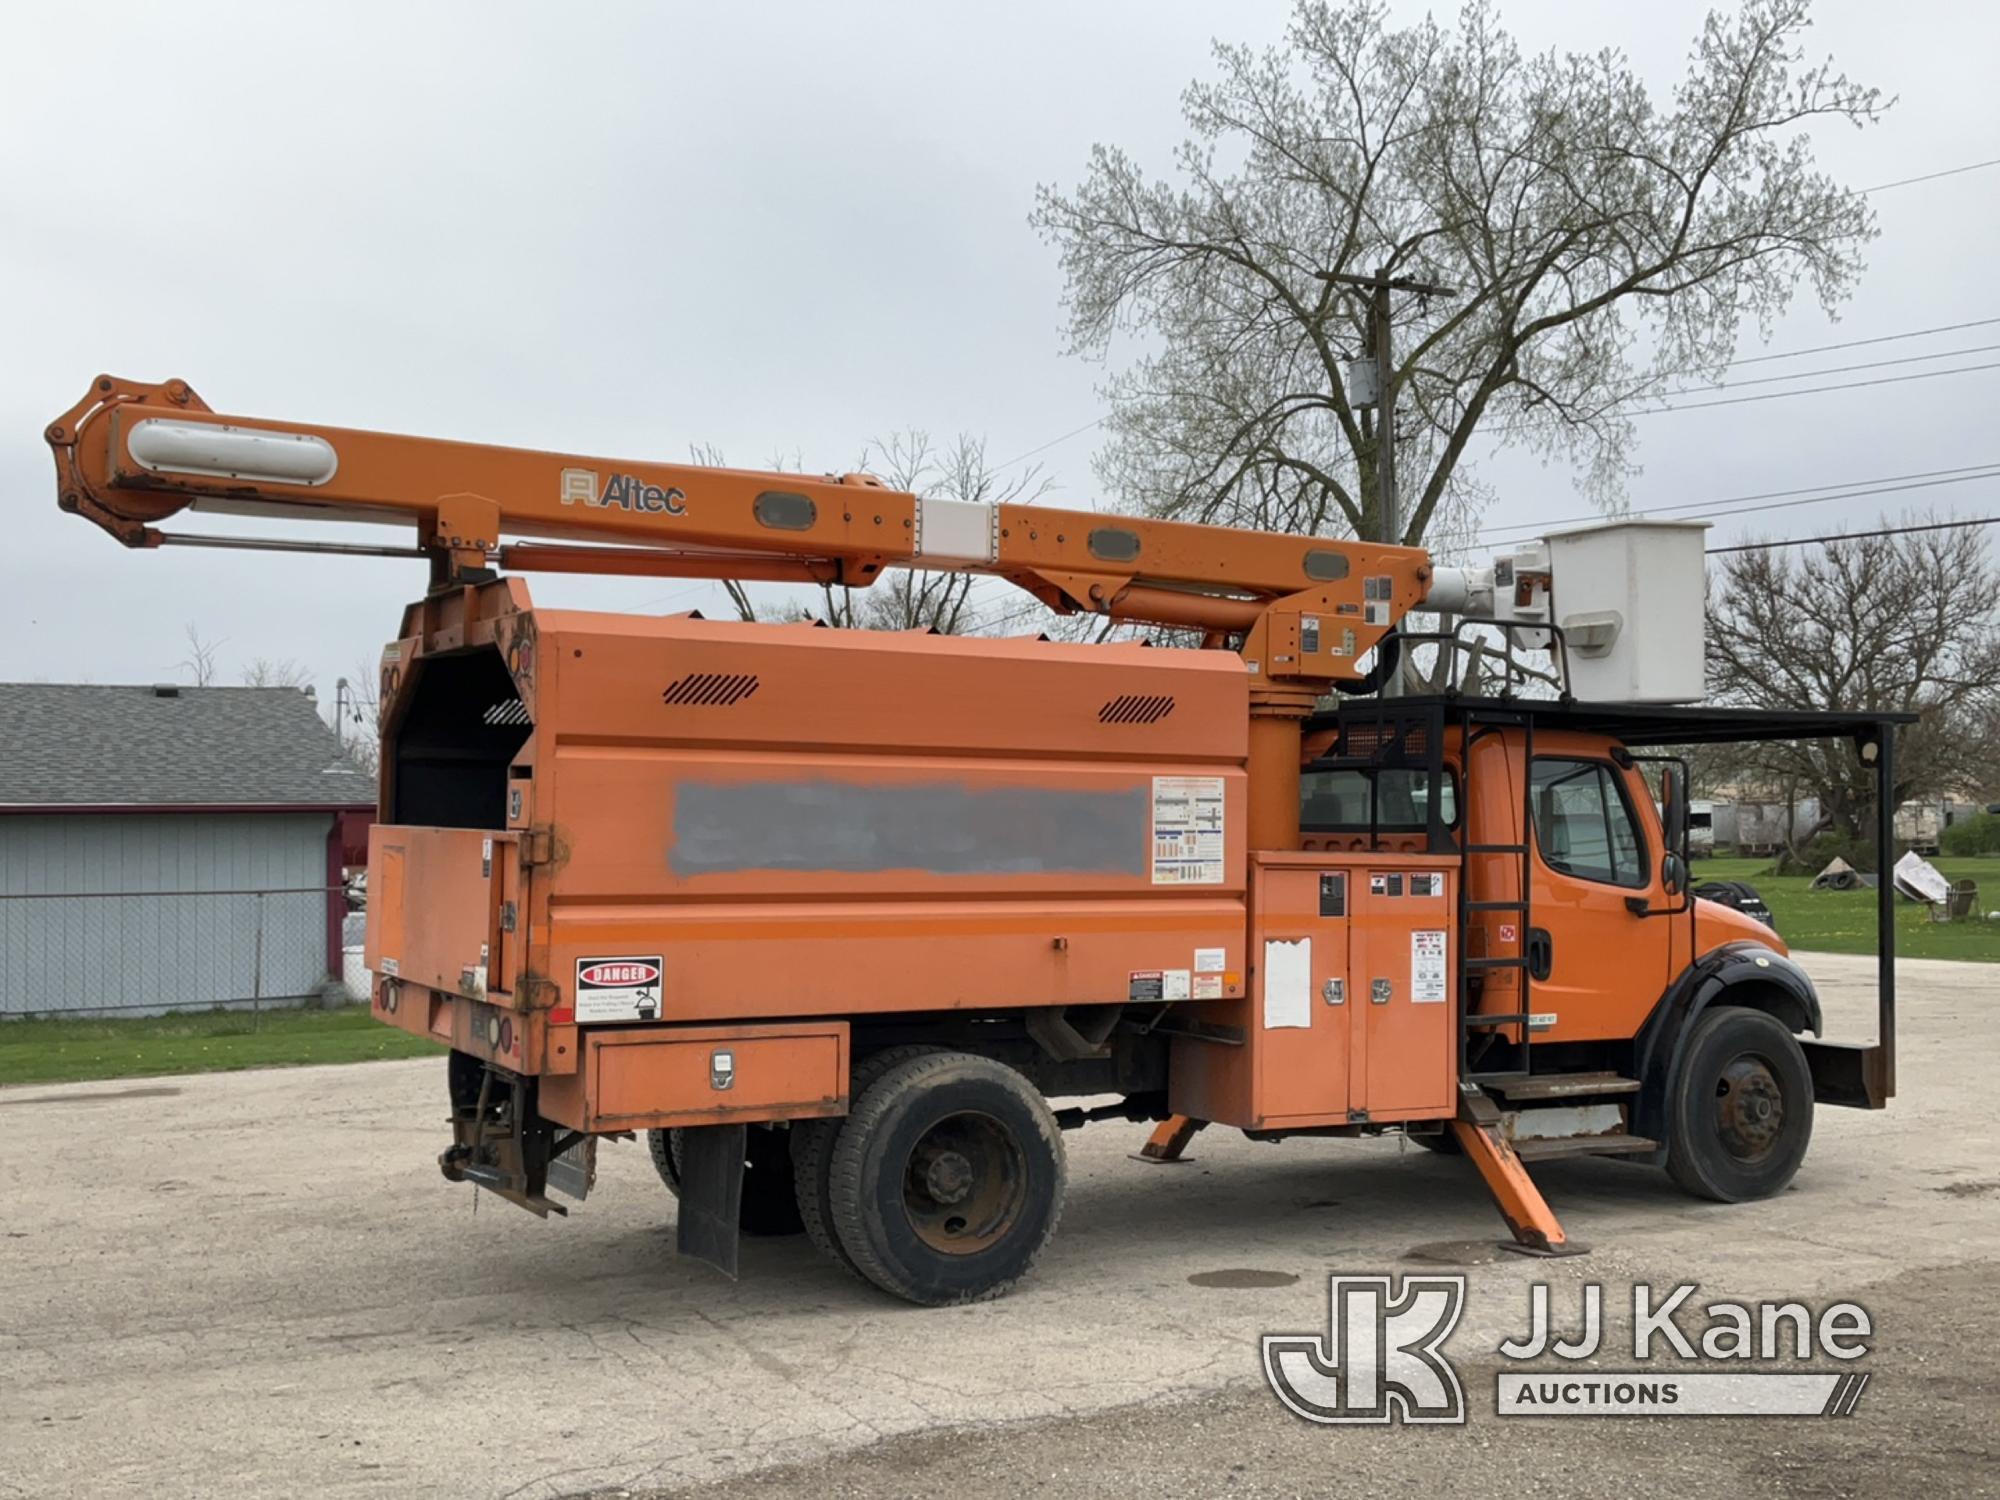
[1598, 872]
[1592, 977]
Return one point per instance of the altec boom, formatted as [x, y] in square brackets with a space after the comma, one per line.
[832, 915]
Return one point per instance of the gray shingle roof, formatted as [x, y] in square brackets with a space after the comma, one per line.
[70, 746]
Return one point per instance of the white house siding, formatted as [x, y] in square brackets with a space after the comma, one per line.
[120, 931]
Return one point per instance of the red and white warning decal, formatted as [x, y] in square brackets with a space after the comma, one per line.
[618, 989]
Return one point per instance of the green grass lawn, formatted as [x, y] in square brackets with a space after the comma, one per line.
[1844, 921]
[217, 1041]
[203, 1042]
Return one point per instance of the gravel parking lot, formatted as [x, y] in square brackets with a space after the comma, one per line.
[251, 1284]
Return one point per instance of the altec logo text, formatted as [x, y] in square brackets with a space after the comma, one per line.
[581, 487]
[1382, 1357]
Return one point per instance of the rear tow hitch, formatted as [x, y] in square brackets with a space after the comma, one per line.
[501, 1144]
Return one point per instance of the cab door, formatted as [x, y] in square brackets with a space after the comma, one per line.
[1597, 966]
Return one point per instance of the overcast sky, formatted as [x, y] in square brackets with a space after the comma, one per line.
[622, 228]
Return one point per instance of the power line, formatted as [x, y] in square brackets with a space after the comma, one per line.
[1807, 390]
[1814, 390]
[1097, 421]
[1747, 510]
[681, 593]
[1858, 536]
[1886, 338]
[1755, 359]
[1891, 484]
[1883, 187]
[1866, 364]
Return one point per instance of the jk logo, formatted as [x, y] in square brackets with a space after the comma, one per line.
[1381, 1358]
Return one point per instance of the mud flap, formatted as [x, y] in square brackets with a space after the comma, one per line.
[573, 1170]
[711, 1169]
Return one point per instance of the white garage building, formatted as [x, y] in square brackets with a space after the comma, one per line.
[167, 848]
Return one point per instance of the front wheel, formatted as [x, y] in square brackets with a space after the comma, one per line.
[1742, 1109]
[947, 1179]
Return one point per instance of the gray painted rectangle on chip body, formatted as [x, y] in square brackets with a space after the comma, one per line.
[941, 828]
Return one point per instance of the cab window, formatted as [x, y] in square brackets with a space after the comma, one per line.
[1338, 801]
[1583, 824]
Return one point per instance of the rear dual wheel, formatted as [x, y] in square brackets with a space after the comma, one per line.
[943, 1183]
[812, 1155]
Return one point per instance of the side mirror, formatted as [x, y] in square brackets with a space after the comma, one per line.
[1674, 813]
[1673, 872]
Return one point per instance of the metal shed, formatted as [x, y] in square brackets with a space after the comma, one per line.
[166, 848]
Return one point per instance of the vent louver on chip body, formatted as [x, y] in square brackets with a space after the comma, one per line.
[513, 711]
[711, 689]
[1136, 708]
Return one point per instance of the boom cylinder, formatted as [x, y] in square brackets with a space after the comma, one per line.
[1277, 721]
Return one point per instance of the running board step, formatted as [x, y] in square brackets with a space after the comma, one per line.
[1565, 1086]
[1557, 1147]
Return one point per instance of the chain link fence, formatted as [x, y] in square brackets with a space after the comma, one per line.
[108, 953]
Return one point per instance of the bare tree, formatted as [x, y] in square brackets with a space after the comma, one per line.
[265, 672]
[1579, 220]
[1906, 623]
[199, 663]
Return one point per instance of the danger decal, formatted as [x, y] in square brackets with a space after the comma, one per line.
[618, 989]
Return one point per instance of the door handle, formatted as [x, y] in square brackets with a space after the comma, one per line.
[1541, 953]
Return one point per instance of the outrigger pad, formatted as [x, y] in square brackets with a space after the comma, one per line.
[711, 1167]
[1546, 1252]
[1168, 1141]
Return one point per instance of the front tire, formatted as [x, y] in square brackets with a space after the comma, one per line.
[1741, 1114]
[947, 1179]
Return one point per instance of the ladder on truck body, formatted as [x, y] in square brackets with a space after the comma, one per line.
[1474, 722]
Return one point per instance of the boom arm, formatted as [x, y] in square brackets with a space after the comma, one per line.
[131, 455]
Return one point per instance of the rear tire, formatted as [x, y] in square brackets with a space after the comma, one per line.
[812, 1155]
[1741, 1113]
[947, 1179]
[769, 1207]
[666, 1160]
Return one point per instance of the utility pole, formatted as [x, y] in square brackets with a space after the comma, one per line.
[1388, 505]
